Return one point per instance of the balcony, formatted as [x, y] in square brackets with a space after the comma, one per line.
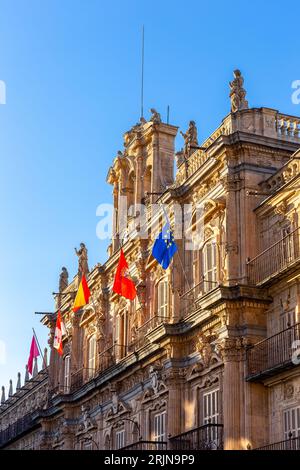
[206, 437]
[293, 443]
[272, 355]
[14, 430]
[111, 356]
[191, 298]
[276, 260]
[76, 380]
[146, 445]
[143, 330]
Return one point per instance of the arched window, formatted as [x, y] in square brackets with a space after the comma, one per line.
[162, 298]
[209, 265]
[91, 356]
[67, 363]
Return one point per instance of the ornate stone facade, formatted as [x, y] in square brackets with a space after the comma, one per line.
[196, 350]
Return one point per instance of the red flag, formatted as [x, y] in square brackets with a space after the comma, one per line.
[59, 332]
[34, 352]
[123, 285]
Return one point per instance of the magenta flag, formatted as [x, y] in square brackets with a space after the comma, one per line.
[34, 352]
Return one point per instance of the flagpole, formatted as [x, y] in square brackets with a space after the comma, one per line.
[183, 270]
[38, 345]
[180, 260]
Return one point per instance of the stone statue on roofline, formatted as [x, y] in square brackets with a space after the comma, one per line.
[190, 139]
[237, 92]
[155, 116]
[63, 279]
[83, 267]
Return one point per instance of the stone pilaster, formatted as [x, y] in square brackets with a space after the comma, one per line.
[232, 353]
[174, 383]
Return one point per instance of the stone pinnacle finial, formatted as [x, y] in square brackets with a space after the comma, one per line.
[35, 368]
[19, 381]
[45, 361]
[237, 92]
[3, 395]
[26, 374]
[10, 391]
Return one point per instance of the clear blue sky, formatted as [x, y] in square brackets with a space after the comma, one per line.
[72, 72]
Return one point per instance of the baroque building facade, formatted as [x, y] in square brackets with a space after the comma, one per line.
[207, 355]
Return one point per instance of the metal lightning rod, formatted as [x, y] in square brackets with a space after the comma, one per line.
[142, 78]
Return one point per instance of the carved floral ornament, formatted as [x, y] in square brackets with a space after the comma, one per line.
[231, 349]
[213, 350]
[86, 422]
[91, 329]
[288, 390]
[209, 207]
[156, 386]
[118, 406]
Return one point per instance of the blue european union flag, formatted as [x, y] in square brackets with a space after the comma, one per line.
[164, 247]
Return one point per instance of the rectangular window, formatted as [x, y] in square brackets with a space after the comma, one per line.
[209, 266]
[287, 319]
[196, 267]
[160, 427]
[121, 335]
[92, 356]
[288, 244]
[162, 299]
[291, 423]
[67, 362]
[211, 411]
[120, 439]
[211, 406]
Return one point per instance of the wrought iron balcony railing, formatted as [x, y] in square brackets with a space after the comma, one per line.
[143, 330]
[14, 430]
[146, 445]
[112, 356]
[77, 380]
[191, 297]
[206, 437]
[275, 260]
[293, 443]
[273, 354]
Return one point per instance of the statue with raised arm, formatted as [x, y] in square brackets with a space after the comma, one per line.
[237, 92]
[190, 138]
[83, 267]
[63, 279]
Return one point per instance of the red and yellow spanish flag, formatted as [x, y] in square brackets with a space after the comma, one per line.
[82, 296]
